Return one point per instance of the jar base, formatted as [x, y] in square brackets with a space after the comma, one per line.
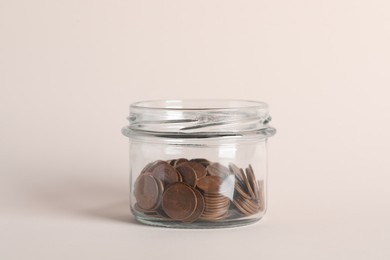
[226, 223]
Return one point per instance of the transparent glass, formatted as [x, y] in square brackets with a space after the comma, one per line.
[198, 163]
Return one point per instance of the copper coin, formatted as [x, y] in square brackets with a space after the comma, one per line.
[147, 167]
[246, 204]
[179, 201]
[212, 194]
[160, 212]
[217, 169]
[216, 218]
[252, 181]
[202, 161]
[210, 184]
[187, 173]
[145, 211]
[216, 201]
[161, 191]
[215, 198]
[239, 176]
[242, 177]
[236, 171]
[160, 185]
[240, 208]
[215, 208]
[171, 162]
[214, 213]
[234, 168]
[199, 169]
[251, 168]
[199, 208]
[241, 192]
[180, 160]
[150, 166]
[180, 178]
[164, 172]
[248, 185]
[253, 205]
[146, 192]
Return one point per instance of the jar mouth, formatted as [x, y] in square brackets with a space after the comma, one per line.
[199, 118]
[199, 104]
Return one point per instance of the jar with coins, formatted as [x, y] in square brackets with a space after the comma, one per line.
[198, 163]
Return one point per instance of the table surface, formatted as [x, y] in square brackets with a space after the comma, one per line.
[318, 209]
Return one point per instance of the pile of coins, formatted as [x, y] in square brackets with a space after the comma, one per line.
[197, 190]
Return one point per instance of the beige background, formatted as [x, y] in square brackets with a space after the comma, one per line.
[69, 70]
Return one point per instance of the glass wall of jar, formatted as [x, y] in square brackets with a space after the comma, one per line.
[198, 163]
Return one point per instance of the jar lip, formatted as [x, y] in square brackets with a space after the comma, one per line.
[199, 118]
[199, 104]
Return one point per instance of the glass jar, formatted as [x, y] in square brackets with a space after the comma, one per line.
[198, 163]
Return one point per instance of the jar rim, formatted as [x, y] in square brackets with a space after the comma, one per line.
[198, 104]
[199, 118]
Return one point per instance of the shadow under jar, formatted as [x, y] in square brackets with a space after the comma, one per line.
[198, 163]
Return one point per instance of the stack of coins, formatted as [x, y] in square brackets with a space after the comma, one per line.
[196, 190]
[217, 204]
[248, 197]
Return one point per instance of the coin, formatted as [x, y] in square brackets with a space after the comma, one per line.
[217, 169]
[199, 208]
[180, 178]
[215, 199]
[209, 184]
[187, 173]
[150, 167]
[179, 161]
[252, 181]
[160, 212]
[147, 167]
[216, 207]
[240, 208]
[202, 161]
[179, 201]
[253, 205]
[236, 171]
[160, 185]
[248, 186]
[215, 218]
[145, 211]
[171, 162]
[251, 168]
[164, 172]
[213, 215]
[219, 203]
[147, 192]
[245, 204]
[241, 192]
[199, 169]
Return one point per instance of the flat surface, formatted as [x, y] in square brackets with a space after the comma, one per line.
[69, 70]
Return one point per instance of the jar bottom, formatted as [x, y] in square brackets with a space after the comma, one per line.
[223, 223]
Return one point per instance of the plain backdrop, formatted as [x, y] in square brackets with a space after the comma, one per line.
[70, 69]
